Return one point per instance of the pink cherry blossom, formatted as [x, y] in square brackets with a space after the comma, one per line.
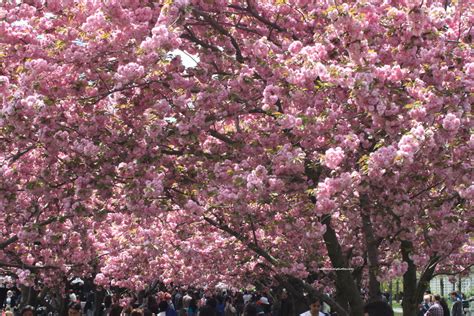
[145, 143]
[451, 122]
[295, 47]
[333, 157]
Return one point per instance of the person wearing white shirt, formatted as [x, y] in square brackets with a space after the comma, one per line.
[186, 300]
[247, 297]
[315, 309]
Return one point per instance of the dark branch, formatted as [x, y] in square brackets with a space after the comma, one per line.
[193, 38]
[222, 137]
[21, 153]
[255, 14]
[258, 250]
[223, 31]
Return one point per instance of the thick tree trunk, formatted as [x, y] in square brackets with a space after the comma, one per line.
[410, 302]
[372, 256]
[341, 299]
[42, 301]
[344, 280]
[412, 290]
[424, 281]
[62, 303]
[300, 302]
[348, 294]
[28, 296]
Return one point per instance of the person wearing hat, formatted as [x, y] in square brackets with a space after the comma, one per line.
[263, 306]
[9, 300]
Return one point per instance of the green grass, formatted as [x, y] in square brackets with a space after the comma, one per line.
[397, 305]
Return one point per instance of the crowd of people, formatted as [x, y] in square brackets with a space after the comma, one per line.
[223, 303]
[435, 305]
[198, 302]
[195, 302]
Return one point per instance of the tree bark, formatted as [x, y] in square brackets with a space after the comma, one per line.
[441, 285]
[425, 277]
[412, 290]
[390, 291]
[410, 302]
[341, 299]
[344, 280]
[372, 253]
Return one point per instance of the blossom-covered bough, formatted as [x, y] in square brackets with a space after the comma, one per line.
[324, 145]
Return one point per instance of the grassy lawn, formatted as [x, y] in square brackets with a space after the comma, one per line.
[395, 305]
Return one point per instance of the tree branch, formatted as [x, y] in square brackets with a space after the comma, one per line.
[258, 250]
[19, 154]
[193, 38]
[455, 273]
[253, 231]
[26, 266]
[8, 242]
[250, 9]
[222, 137]
[14, 238]
[223, 31]
[427, 189]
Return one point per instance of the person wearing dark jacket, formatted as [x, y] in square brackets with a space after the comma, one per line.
[378, 308]
[456, 310]
[445, 307]
[283, 306]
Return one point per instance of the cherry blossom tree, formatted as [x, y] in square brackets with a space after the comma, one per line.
[325, 145]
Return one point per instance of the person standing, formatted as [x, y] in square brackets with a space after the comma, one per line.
[456, 310]
[192, 308]
[378, 308]
[283, 306]
[247, 297]
[9, 300]
[162, 308]
[229, 309]
[436, 309]
[186, 300]
[314, 309]
[425, 305]
[239, 304]
[444, 304]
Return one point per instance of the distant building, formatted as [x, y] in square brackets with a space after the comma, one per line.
[441, 285]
